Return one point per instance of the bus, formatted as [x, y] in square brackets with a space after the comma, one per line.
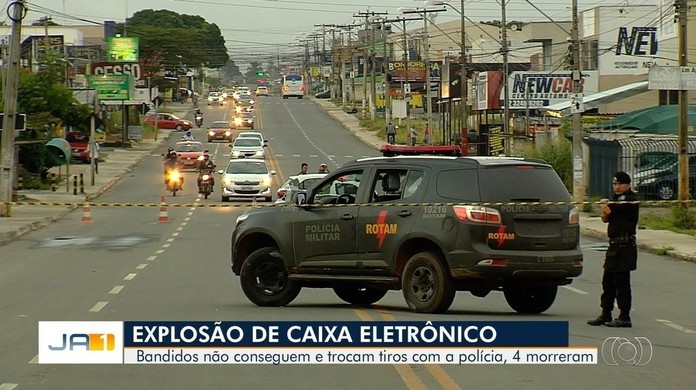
[293, 85]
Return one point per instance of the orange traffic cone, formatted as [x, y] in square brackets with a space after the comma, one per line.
[163, 216]
[86, 213]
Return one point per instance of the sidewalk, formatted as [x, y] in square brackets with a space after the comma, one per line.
[681, 246]
[118, 162]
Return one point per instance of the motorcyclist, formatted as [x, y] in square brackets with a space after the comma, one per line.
[171, 162]
[198, 117]
[205, 167]
[188, 136]
[198, 112]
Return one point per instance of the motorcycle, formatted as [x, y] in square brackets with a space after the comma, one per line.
[206, 184]
[199, 120]
[175, 182]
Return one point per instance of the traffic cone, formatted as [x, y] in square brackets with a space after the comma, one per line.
[86, 213]
[163, 217]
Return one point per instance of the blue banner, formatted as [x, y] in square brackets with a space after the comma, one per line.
[346, 333]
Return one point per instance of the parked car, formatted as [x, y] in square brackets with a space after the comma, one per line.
[660, 180]
[79, 145]
[247, 147]
[189, 153]
[168, 121]
[428, 226]
[220, 130]
[323, 95]
[297, 182]
[246, 178]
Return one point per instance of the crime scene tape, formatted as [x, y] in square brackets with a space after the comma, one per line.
[656, 203]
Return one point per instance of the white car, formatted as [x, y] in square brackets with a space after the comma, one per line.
[253, 134]
[246, 178]
[215, 98]
[247, 147]
[297, 182]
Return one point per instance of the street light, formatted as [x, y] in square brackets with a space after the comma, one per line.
[429, 104]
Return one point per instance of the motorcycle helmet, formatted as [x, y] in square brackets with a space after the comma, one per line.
[188, 133]
[170, 149]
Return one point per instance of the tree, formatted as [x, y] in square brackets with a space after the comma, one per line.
[173, 41]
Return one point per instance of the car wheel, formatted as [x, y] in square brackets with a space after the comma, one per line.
[426, 284]
[358, 295]
[665, 191]
[252, 127]
[530, 299]
[225, 199]
[179, 128]
[210, 140]
[264, 279]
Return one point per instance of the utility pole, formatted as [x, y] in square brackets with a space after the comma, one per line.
[367, 16]
[506, 98]
[18, 11]
[426, 54]
[463, 79]
[578, 179]
[681, 8]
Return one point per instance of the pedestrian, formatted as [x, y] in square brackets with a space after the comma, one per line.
[622, 255]
[194, 100]
[412, 133]
[323, 168]
[303, 168]
[426, 136]
[94, 152]
[391, 134]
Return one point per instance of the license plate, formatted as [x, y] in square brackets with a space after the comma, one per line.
[246, 188]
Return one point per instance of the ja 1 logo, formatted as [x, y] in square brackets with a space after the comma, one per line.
[86, 342]
[621, 350]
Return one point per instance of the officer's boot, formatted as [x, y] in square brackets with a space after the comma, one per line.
[624, 321]
[601, 319]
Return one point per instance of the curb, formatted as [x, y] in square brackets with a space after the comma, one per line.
[333, 113]
[6, 238]
[587, 232]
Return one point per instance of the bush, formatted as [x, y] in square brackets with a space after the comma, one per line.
[683, 217]
[556, 153]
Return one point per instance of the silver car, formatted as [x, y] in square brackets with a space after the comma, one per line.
[248, 147]
[247, 178]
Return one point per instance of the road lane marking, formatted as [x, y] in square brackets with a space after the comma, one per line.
[141, 266]
[180, 228]
[130, 277]
[166, 245]
[441, 376]
[159, 251]
[677, 326]
[575, 290]
[98, 306]
[170, 239]
[152, 258]
[8, 386]
[116, 289]
[175, 234]
[362, 314]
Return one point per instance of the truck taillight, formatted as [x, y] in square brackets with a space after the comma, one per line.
[302, 88]
[478, 214]
[574, 216]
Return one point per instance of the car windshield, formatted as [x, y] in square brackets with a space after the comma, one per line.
[246, 115]
[77, 137]
[247, 141]
[250, 135]
[214, 94]
[247, 167]
[219, 125]
[188, 147]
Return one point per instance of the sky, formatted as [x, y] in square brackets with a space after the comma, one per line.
[258, 28]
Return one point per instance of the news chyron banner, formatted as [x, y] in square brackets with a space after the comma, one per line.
[275, 343]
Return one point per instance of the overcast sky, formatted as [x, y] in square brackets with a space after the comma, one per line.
[254, 27]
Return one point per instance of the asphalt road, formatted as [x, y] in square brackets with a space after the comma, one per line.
[127, 266]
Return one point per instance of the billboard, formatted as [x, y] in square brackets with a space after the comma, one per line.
[122, 49]
[546, 88]
[111, 87]
[415, 73]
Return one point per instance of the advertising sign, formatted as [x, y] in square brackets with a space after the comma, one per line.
[416, 71]
[631, 42]
[122, 49]
[135, 70]
[110, 87]
[86, 52]
[546, 88]
[673, 78]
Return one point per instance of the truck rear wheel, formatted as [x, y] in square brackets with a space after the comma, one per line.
[530, 299]
[264, 279]
[426, 284]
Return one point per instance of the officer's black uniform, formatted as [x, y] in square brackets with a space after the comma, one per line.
[621, 257]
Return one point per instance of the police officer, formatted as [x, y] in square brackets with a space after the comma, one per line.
[622, 254]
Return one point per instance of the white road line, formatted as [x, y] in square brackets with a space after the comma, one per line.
[313, 156]
[34, 360]
[193, 208]
[677, 326]
[166, 245]
[98, 306]
[152, 258]
[116, 289]
[130, 277]
[175, 234]
[159, 251]
[575, 290]
[296, 155]
[141, 266]
[170, 240]
[180, 228]
[9, 386]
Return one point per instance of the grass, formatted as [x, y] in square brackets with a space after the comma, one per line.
[379, 125]
[661, 218]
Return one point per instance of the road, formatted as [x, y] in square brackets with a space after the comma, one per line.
[128, 266]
